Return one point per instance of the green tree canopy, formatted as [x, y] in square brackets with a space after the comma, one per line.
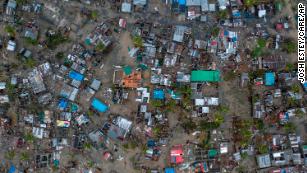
[289, 46]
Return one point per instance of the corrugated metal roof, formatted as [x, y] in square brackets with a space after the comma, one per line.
[193, 3]
[205, 76]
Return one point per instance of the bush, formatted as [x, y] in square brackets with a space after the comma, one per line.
[261, 42]
[94, 15]
[54, 40]
[208, 126]
[215, 31]
[188, 125]
[59, 55]
[249, 3]
[230, 76]
[138, 41]
[262, 149]
[10, 30]
[30, 63]
[223, 14]
[156, 103]
[100, 47]
[31, 41]
[289, 127]
[289, 46]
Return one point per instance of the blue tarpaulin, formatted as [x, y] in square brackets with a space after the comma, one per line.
[236, 14]
[305, 86]
[151, 143]
[99, 106]
[269, 79]
[226, 33]
[75, 75]
[158, 94]
[63, 104]
[169, 170]
[12, 169]
[182, 2]
[173, 94]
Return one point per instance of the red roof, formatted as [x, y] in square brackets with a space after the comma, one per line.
[279, 26]
[213, 43]
[177, 154]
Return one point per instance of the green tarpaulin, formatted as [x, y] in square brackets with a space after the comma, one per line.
[212, 153]
[127, 70]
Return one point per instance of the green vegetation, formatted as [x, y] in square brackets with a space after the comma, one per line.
[255, 74]
[90, 164]
[170, 106]
[30, 63]
[262, 149]
[188, 124]
[241, 169]
[208, 126]
[94, 15]
[54, 40]
[223, 14]
[100, 47]
[186, 92]
[156, 103]
[90, 113]
[290, 67]
[29, 137]
[243, 132]
[31, 41]
[215, 31]
[299, 113]
[138, 41]
[289, 46]
[24, 156]
[259, 49]
[295, 88]
[259, 124]
[21, 2]
[231, 75]
[87, 146]
[250, 3]
[261, 42]
[292, 102]
[10, 155]
[60, 55]
[10, 30]
[244, 155]
[289, 127]
[10, 90]
[130, 145]
[157, 130]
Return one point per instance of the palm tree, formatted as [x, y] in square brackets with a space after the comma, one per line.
[10, 155]
[24, 156]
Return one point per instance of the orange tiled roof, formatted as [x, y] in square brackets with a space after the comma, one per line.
[132, 81]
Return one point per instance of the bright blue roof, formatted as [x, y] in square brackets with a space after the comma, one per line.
[182, 2]
[75, 75]
[158, 94]
[269, 78]
[236, 14]
[99, 106]
[12, 169]
[226, 33]
[151, 143]
[169, 170]
[63, 103]
[305, 86]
